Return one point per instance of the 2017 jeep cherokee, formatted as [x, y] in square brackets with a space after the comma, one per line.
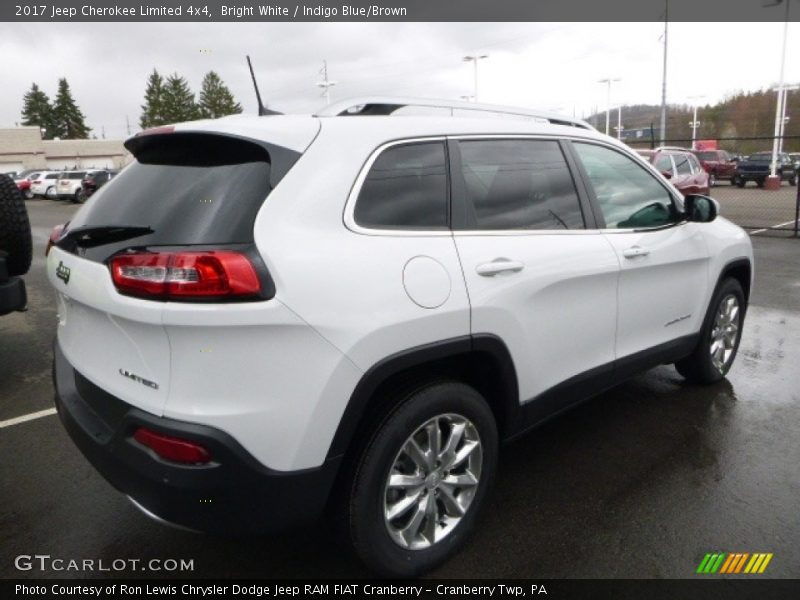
[265, 316]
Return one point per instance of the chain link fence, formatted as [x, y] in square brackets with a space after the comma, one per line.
[739, 187]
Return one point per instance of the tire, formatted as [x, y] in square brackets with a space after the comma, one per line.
[80, 196]
[15, 229]
[760, 183]
[740, 183]
[712, 180]
[28, 194]
[50, 193]
[378, 539]
[704, 366]
[793, 180]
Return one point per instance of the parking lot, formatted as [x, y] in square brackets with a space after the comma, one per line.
[756, 208]
[642, 481]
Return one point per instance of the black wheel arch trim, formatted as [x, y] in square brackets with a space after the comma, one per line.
[419, 356]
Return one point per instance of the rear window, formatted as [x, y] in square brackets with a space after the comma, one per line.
[189, 188]
[51, 176]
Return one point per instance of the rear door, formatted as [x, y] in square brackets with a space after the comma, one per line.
[664, 260]
[538, 274]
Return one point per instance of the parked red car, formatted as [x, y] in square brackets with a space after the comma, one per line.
[24, 186]
[681, 167]
[718, 164]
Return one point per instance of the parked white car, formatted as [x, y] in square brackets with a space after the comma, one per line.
[265, 316]
[69, 185]
[44, 184]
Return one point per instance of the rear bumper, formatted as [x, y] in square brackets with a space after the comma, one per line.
[233, 494]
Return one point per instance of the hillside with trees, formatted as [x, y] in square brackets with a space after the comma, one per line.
[741, 115]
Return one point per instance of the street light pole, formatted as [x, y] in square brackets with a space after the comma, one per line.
[779, 107]
[474, 58]
[608, 82]
[694, 124]
[664, 76]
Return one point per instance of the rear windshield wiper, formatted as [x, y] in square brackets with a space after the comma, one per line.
[88, 236]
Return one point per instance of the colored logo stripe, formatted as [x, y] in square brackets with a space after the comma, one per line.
[734, 562]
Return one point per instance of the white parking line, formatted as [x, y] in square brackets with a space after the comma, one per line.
[17, 420]
[772, 227]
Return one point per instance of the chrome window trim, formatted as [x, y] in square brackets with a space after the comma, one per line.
[349, 208]
[350, 205]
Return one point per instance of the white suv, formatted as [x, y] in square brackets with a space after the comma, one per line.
[265, 316]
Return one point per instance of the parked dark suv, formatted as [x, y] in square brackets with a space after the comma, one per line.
[717, 163]
[756, 167]
[93, 181]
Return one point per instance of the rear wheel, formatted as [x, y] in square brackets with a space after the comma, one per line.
[50, 193]
[760, 183]
[793, 180]
[15, 228]
[740, 183]
[420, 482]
[712, 180]
[719, 340]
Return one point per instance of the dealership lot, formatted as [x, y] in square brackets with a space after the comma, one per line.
[642, 481]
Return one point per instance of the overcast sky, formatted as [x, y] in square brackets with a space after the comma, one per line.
[551, 66]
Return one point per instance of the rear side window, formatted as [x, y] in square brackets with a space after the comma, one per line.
[189, 188]
[406, 188]
[682, 166]
[664, 163]
[518, 184]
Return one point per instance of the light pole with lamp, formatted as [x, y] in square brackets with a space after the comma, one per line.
[695, 123]
[773, 182]
[474, 58]
[608, 81]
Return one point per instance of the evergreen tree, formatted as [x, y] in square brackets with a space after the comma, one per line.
[37, 111]
[152, 109]
[68, 120]
[177, 100]
[216, 100]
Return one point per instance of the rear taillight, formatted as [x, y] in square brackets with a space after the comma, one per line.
[37, 182]
[172, 448]
[54, 235]
[217, 274]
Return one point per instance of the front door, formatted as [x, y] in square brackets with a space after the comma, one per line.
[663, 258]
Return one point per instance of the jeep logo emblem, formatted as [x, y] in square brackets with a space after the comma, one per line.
[62, 272]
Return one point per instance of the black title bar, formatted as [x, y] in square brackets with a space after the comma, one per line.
[398, 10]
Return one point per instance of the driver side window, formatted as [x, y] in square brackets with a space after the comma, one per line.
[628, 195]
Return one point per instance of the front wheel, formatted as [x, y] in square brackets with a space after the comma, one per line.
[793, 180]
[420, 482]
[719, 339]
[740, 183]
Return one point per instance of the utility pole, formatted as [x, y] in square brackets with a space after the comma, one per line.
[664, 76]
[128, 124]
[608, 81]
[102, 131]
[474, 58]
[325, 84]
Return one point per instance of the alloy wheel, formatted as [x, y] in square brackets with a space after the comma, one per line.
[725, 332]
[432, 481]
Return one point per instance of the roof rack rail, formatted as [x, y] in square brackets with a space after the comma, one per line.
[672, 148]
[386, 105]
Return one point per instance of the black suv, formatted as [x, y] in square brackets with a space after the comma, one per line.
[756, 167]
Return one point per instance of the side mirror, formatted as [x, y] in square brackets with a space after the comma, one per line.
[700, 209]
[667, 174]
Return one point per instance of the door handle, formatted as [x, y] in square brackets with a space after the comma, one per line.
[635, 251]
[499, 265]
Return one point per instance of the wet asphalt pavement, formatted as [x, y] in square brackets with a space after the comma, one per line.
[641, 481]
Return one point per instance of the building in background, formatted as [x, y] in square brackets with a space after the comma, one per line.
[23, 148]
